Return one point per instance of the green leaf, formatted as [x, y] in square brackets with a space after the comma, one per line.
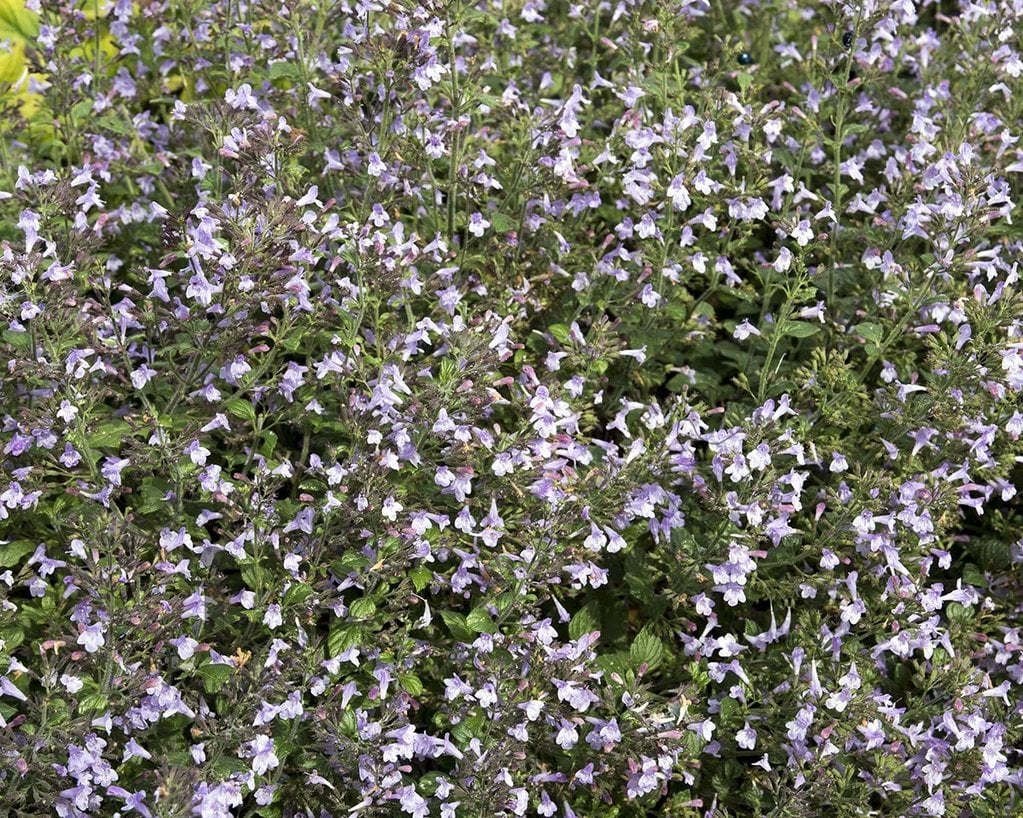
[19, 340]
[363, 608]
[995, 553]
[342, 636]
[81, 111]
[729, 707]
[874, 333]
[503, 223]
[14, 552]
[411, 683]
[646, 649]
[427, 784]
[479, 620]
[584, 621]
[253, 574]
[241, 408]
[214, 676]
[421, 577]
[614, 663]
[17, 23]
[958, 613]
[972, 575]
[799, 329]
[457, 625]
[745, 80]
[693, 742]
[93, 703]
[507, 599]
[560, 333]
[154, 489]
[110, 434]
[298, 593]
[114, 124]
[468, 729]
[269, 444]
[285, 70]
[638, 577]
[10, 638]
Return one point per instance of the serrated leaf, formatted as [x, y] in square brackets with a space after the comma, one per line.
[505, 601]
[93, 703]
[285, 70]
[214, 676]
[799, 329]
[10, 638]
[457, 625]
[14, 552]
[341, 637]
[16, 22]
[269, 443]
[109, 434]
[427, 784]
[411, 683]
[638, 578]
[479, 621]
[19, 340]
[114, 124]
[584, 621]
[646, 649]
[241, 408]
[154, 489]
[995, 554]
[874, 333]
[253, 574]
[560, 333]
[298, 593]
[972, 575]
[421, 577]
[363, 608]
[729, 707]
[614, 663]
[503, 223]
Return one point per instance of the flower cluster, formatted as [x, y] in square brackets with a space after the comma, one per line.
[460, 409]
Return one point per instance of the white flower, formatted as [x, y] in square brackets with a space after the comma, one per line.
[478, 225]
[802, 233]
[272, 618]
[745, 330]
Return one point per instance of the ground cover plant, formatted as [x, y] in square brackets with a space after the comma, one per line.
[510, 408]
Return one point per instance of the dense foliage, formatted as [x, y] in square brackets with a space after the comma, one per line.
[511, 408]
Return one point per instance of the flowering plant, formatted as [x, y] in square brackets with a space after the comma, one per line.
[492, 409]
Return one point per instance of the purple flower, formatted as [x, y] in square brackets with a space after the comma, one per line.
[272, 618]
[567, 735]
[578, 697]
[7, 688]
[261, 751]
[112, 468]
[194, 605]
[133, 801]
[478, 224]
[185, 645]
[412, 803]
[746, 738]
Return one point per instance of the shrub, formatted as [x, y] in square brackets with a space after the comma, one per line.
[510, 409]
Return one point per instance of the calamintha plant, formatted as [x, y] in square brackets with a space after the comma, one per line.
[510, 408]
